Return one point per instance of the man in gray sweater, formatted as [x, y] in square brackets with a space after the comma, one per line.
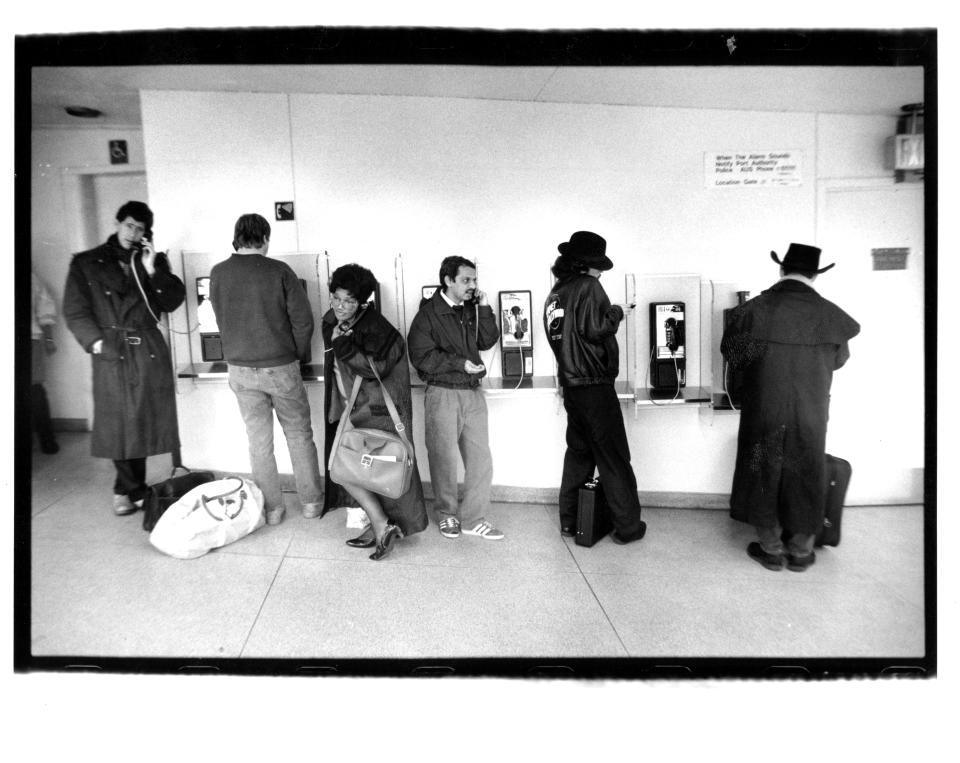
[266, 324]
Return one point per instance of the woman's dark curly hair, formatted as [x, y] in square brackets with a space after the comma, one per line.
[355, 279]
[564, 267]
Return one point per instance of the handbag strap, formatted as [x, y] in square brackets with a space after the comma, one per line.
[346, 424]
[243, 494]
[397, 423]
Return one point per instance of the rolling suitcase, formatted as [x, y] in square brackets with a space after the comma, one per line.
[838, 479]
[593, 516]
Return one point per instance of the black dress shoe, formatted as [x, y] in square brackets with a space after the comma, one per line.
[621, 541]
[567, 531]
[800, 563]
[390, 534]
[364, 540]
[770, 561]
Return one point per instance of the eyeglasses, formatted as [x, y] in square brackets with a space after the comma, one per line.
[349, 302]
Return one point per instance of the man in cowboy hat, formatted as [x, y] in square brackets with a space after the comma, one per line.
[581, 327]
[787, 341]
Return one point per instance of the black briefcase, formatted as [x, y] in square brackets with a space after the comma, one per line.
[163, 495]
[838, 480]
[593, 516]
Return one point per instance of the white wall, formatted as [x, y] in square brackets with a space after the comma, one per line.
[504, 182]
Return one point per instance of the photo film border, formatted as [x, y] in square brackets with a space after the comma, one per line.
[554, 668]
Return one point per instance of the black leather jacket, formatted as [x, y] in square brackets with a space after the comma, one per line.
[581, 327]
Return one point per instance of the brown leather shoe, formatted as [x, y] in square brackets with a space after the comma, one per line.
[800, 563]
[770, 561]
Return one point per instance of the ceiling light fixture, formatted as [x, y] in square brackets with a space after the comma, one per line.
[84, 112]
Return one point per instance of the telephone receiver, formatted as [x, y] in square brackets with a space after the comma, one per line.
[674, 333]
[138, 247]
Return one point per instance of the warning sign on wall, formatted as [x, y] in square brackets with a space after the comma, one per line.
[738, 169]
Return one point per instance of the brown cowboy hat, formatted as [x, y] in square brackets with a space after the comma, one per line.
[802, 257]
[587, 248]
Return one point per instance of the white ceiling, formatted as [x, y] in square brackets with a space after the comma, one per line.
[114, 90]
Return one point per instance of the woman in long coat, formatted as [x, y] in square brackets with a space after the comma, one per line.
[115, 320]
[354, 331]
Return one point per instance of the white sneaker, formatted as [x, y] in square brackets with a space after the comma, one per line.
[311, 510]
[275, 516]
[450, 527]
[122, 505]
[484, 529]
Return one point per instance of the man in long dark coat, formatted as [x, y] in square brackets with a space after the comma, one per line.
[787, 342]
[112, 303]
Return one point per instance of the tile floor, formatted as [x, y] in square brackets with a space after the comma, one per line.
[99, 589]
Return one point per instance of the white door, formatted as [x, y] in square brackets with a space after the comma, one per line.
[877, 407]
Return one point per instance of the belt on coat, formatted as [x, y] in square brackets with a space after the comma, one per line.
[129, 335]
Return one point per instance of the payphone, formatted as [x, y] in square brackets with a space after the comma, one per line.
[211, 348]
[668, 365]
[516, 335]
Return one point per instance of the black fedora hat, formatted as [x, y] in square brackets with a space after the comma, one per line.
[802, 257]
[587, 248]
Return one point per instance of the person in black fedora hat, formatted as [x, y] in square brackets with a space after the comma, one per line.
[581, 327]
[787, 342]
[803, 259]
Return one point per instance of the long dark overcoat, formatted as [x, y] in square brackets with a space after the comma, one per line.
[787, 341]
[373, 336]
[134, 403]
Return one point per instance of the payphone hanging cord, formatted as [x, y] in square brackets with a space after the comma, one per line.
[726, 366]
[676, 372]
[726, 391]
[146, 301]
[175, 457]
[476, 324]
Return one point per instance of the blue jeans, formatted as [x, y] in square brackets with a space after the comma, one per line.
[455, 423]
[260, 392]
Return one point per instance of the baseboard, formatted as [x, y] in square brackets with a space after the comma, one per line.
[548, 496]
[648, 499]
[70, 425]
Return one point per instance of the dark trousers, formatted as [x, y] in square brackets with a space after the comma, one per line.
[40, 418]
[131, 478]
[597, 439]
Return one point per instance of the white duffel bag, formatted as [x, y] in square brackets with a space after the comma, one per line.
[209, 516]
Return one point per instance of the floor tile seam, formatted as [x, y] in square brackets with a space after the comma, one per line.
[263, 602]
[434, 565]
[895, 592]
[36, 542]
[583, 577]
[35, 512]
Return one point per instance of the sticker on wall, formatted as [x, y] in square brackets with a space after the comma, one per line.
[890, 258]
[118, 152]
[284, 210]
[745, 169]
